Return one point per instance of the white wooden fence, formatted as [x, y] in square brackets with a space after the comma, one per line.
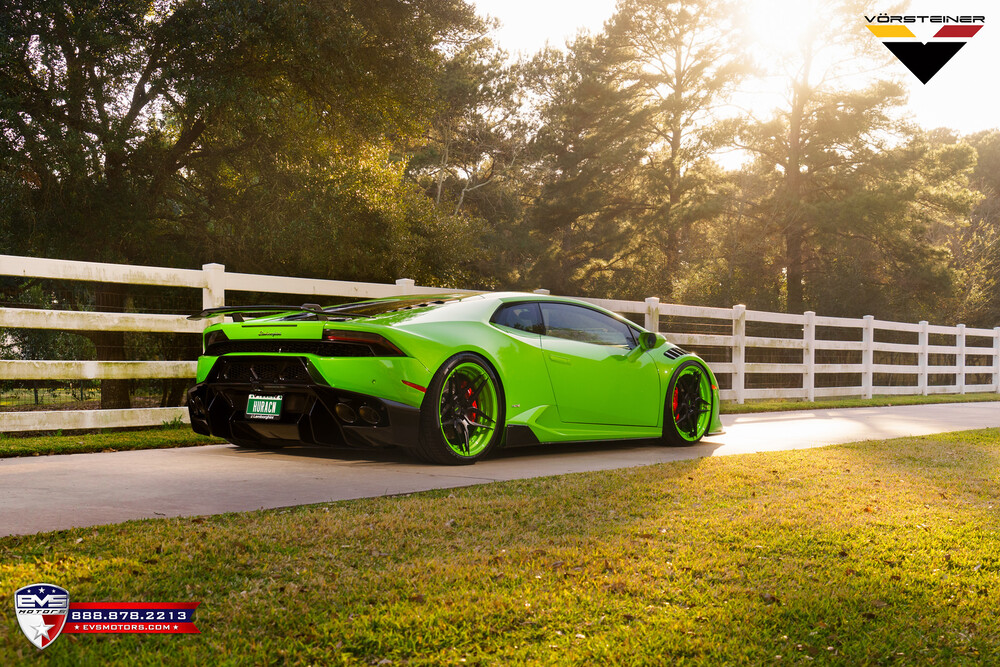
[975, 352]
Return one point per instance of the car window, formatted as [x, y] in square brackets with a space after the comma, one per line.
[564, 320]
[520, 316]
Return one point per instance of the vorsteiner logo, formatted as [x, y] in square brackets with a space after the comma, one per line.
[924, 59]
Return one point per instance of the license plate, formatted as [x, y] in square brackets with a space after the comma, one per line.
[263, 407]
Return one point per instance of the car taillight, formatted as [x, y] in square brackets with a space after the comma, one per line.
[214, 337]
[380, 345]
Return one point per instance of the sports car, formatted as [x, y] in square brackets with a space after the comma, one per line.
[450, 377]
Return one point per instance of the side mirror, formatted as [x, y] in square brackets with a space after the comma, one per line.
[649, 340]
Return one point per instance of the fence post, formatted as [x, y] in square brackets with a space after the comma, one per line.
[996, 358]
[809, 355]
[653, 313]
[868, 356]
[922, 357]
[405, 285]
[739, 351]
[960, 358]
[213, 295]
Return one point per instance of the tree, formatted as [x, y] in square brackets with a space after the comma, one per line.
[108, 108]
[470, 157]
[881, 233]
[587, 153]
[975, 248]
[836, 150]
[681, 59]
[627, 137]
[734, 257]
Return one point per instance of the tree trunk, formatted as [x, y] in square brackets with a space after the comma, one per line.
[793, 266]
[111, 346]
[795, 225]
[178, 392]
[185, 347]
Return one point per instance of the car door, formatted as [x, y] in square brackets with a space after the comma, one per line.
[597, 376]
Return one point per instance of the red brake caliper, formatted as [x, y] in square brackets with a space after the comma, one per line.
[677, 394]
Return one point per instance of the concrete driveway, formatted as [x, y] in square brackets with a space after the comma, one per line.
[40, 494]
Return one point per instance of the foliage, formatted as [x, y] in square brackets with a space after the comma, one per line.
[112, 111]
[975, 247]
[256, 133]
[881, 239]
[373, 141]
[469, 161]
[588, 149]
[625, 142]
[859, 199]
[38, 343]
[736, 258]
[681, 60]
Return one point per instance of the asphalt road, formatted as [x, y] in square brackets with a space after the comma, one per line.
[46, 493]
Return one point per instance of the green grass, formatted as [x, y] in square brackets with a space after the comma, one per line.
[872, 553]
[171, 435]
[877, 401]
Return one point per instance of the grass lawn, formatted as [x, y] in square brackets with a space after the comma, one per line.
[877, 401]
[872, 553]
[103, 441]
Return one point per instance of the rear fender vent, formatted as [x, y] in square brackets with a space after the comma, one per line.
[674, 353]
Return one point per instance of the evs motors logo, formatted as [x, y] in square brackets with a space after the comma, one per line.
[924, 59]
[41, 612]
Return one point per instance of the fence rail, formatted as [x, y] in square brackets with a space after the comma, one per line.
[954, 365]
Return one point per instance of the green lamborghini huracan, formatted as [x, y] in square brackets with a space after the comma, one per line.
[450, 377]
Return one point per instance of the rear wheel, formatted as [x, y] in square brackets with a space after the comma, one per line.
[688, 410]
[462, 416]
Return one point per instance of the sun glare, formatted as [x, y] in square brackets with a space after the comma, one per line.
[955, 98]
[779, 24]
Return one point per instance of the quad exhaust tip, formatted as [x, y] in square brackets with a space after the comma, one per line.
[369, 414]
[346, 413]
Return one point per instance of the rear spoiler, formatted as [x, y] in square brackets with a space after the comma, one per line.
[238, 312]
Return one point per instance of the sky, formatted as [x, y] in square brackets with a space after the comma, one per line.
[963, 96]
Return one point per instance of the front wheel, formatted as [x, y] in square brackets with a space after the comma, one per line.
[462, 416]
[688, 410]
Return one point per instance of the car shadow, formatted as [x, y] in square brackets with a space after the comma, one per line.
[373, 455]
[402, 456]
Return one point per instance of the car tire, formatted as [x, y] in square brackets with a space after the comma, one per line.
[463, 412]
[687, 412]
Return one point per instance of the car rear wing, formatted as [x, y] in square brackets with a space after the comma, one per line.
[237, 312]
